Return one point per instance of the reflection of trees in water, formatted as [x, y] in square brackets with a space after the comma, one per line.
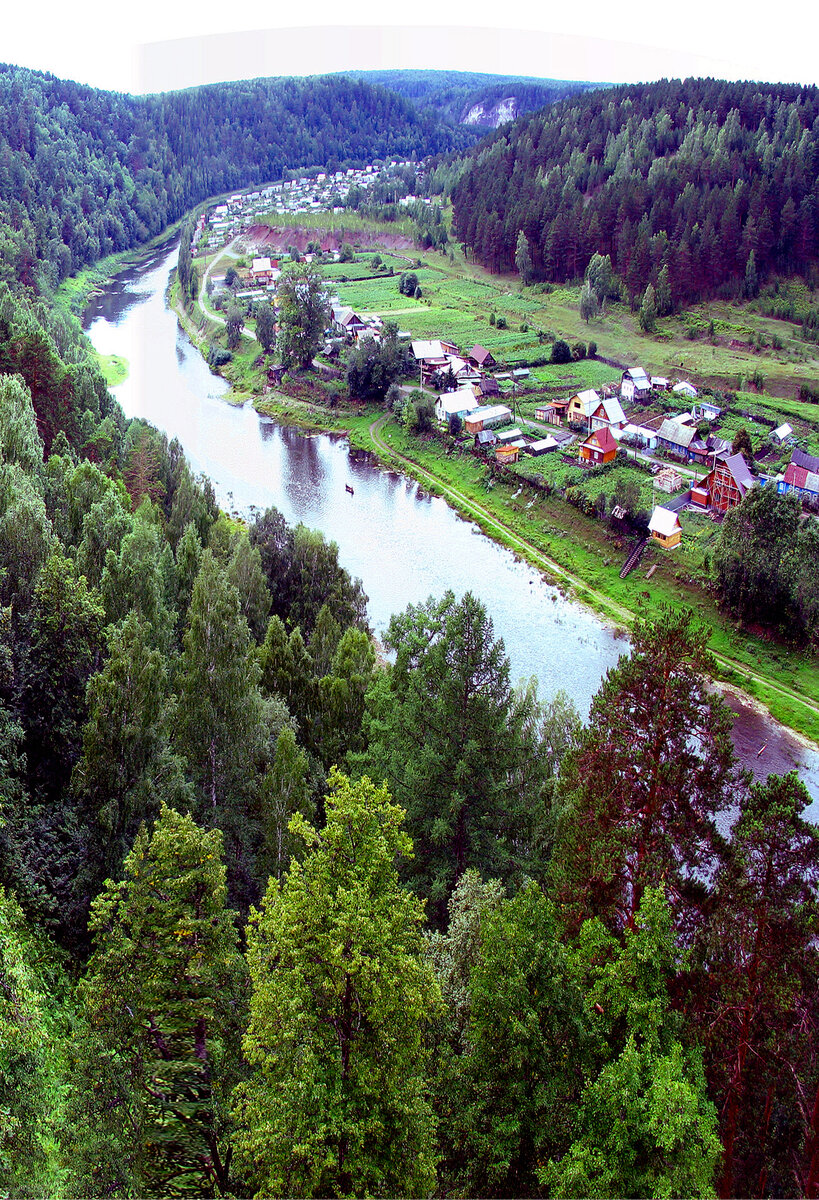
[305, 474]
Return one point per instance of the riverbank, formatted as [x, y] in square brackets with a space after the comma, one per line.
[581, 555]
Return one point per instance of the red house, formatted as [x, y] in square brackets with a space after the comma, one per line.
[725, 486]
[599, 447]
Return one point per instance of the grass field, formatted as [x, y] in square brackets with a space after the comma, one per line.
[114, 368]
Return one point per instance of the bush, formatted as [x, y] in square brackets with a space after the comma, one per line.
[218, 356]
[578, 351]
[592, 350]
[561, 352]
[407, 283]
[500, 322]
[492, 318]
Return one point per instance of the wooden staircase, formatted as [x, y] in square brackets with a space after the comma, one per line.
[633, 558]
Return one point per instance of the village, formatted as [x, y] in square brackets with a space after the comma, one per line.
[637, 419]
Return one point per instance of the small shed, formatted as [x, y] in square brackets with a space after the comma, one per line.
[510, 435]
[481, 357]
[665, 528]
[782, 434]
[485, 439]
[543, 446]
[507, 454]
[684, 388]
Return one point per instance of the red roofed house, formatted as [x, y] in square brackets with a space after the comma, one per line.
[599, 447]
[801, 476]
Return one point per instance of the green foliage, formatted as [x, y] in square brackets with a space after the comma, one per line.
[373, 366]
[645, 1125]
[304, 313]
[652, 771]
[407, 283]
[648, 310]
[265, 316]
[561, 352]
[458, 747]
[337, 1104]
[161, 1006]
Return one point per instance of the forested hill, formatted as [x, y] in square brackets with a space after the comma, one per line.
[473, 97]
[85, 173]
[694, 176]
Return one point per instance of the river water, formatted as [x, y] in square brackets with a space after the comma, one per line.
[401, 543]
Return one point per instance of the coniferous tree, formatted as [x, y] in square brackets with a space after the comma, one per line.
[337, 1104]
[160, 1007]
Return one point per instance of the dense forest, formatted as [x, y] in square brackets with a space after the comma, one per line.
[85, 173]
[693, 178]
[451, 94]
[280, 918]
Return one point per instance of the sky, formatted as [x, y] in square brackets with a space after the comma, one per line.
[155, 45]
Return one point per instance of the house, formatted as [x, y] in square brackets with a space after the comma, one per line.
[665, 528]
[433, 353]
[485, 439]
[608, 412]
[487, 387]
[487, 418]
[455, 404]
[676, 434]
[801, 476]
[543, 446]
[708, 450]
[481, 357]
[684, 388]
[463, 371]
[659, 383]
[264, 271]
[599, 447]
[507, 454]
[782, 434]
[510, 435]
[635, 384]
[583, 405]
[641, 435]
[552, 413]
[725, 486]
[706, 411]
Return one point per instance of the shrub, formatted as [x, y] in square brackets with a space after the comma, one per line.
[592, 350]
[578, 351]
[500, 322]
[561, 352]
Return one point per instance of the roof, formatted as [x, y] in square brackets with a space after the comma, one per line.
[457, 402]
[782, 432]
[509, 435]
[480, 354]
[486, 437]
[489, 386]
[674, 431]
[800, 459]
[427, 350]
[262, 264]
[686, 388]
[492, 411]
[663, 521]
[547, 443]
[638, 376]
[738, 467]
[798, 477]
[602, 438]
[613, 410]
[589, 401]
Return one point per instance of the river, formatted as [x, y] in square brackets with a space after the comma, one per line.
[402, 544]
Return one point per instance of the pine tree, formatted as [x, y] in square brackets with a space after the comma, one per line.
[653, 769]
[160, 1008]
[337, 1104]
[523, 258]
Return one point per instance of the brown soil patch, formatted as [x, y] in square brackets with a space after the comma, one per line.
[281, 237]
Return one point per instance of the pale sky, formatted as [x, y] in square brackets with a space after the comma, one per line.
[152, 45]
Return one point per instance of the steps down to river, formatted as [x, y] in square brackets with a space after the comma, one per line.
[633, 558]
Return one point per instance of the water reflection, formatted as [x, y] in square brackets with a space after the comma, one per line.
[403, 547]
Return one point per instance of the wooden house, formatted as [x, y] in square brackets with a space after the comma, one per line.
[608, 412]
[801, 475]
[635, 384]
[552, 413]
[599, 447]
[665, 528]
[583, 405]
[676, 434]
[725, 486]
[479, 356]
[668, 480]
[487, 418]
